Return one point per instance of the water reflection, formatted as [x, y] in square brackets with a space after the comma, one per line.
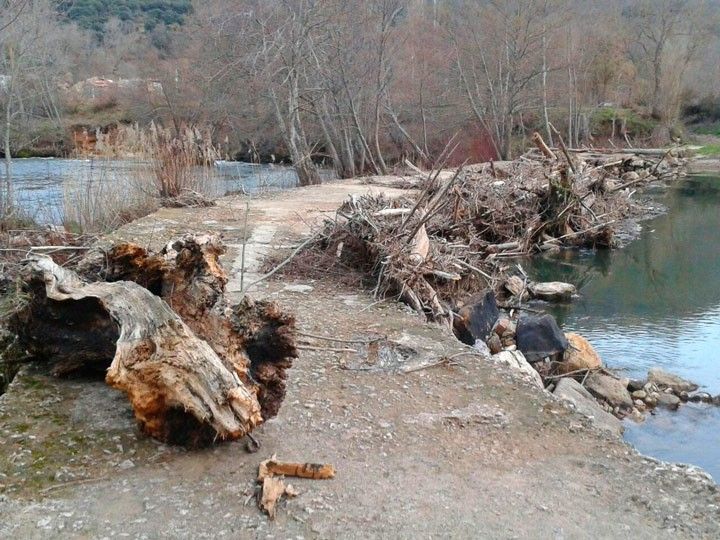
[657, 303]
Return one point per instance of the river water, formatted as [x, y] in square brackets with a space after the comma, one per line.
[41, 184]
[656, 302]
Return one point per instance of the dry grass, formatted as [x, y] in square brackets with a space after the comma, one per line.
[171, 170]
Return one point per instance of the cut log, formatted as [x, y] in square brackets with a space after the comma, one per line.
[195, 368]
[314, 471]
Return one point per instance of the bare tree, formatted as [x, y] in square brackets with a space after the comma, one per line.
[28, 62]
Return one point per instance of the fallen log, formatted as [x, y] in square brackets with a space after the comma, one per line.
[255, 339]
[195, 368]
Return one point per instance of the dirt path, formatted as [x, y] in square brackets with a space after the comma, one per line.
[458, 451]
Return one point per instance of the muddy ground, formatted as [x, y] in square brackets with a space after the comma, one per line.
[464, 450]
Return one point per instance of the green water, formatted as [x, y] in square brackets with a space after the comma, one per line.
[657, 303]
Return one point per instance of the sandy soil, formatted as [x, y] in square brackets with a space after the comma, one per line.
[464, 451]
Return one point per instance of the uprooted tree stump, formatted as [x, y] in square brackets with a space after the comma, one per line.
[195, 368]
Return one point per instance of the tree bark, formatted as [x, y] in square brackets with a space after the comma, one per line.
[195, 368]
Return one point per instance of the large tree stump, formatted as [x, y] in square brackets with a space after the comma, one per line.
[195, 368]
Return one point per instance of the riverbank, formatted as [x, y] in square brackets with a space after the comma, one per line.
[438, 451]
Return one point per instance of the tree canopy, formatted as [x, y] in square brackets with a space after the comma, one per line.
[94, 14]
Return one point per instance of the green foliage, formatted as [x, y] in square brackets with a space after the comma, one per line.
[710, 150]
[637, 125]
[707, 129]
[94, 14]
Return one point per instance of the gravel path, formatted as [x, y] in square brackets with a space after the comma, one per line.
[463, 451]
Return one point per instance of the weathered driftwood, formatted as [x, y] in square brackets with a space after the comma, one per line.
[195, 368]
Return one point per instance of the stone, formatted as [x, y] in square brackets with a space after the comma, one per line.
[494, 344]
[477, 318]
[580, 354]
[669, 401]
[651, 401]
[501, 326]
[609, 389]
[570, 390]
[552, 291]
[701, 397]
[539, 337]
[636, 384]
[664, 380]
[517, 362]
[481, 347]
[511, 329]
[639, 394]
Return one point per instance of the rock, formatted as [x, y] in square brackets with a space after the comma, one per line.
[665, 380]
[482, 348]
[636, 384]
[127, 464]
[609, 389]
[701, 397]
[517, 362]
[669, 401]
[639, 394]
[495, 344]
[501, 326]
[651, 400]
[552, 291]
[477, 318]
[579, 355]
[539, 337]
[570, 390]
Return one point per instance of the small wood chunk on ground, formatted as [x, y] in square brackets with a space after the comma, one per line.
[273, 489]
[314, 471]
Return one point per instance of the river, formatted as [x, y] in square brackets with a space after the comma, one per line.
[40, 185]
[656, 302]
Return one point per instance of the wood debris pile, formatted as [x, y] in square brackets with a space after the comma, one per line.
[454, 236]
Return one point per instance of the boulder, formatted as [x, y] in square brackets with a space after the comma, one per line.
[570, 390]
[669, 401]
[579, 355]
[517, 362]
[609, 389]
[552, 291]
[664, 380]
[477, 318]
[539, 337]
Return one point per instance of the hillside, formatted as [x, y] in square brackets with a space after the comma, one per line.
[94, 14]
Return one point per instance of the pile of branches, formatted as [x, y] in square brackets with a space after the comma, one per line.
[450, 240]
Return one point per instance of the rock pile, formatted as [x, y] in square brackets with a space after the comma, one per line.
[537, 349]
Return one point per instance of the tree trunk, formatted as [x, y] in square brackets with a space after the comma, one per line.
[195, 369]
